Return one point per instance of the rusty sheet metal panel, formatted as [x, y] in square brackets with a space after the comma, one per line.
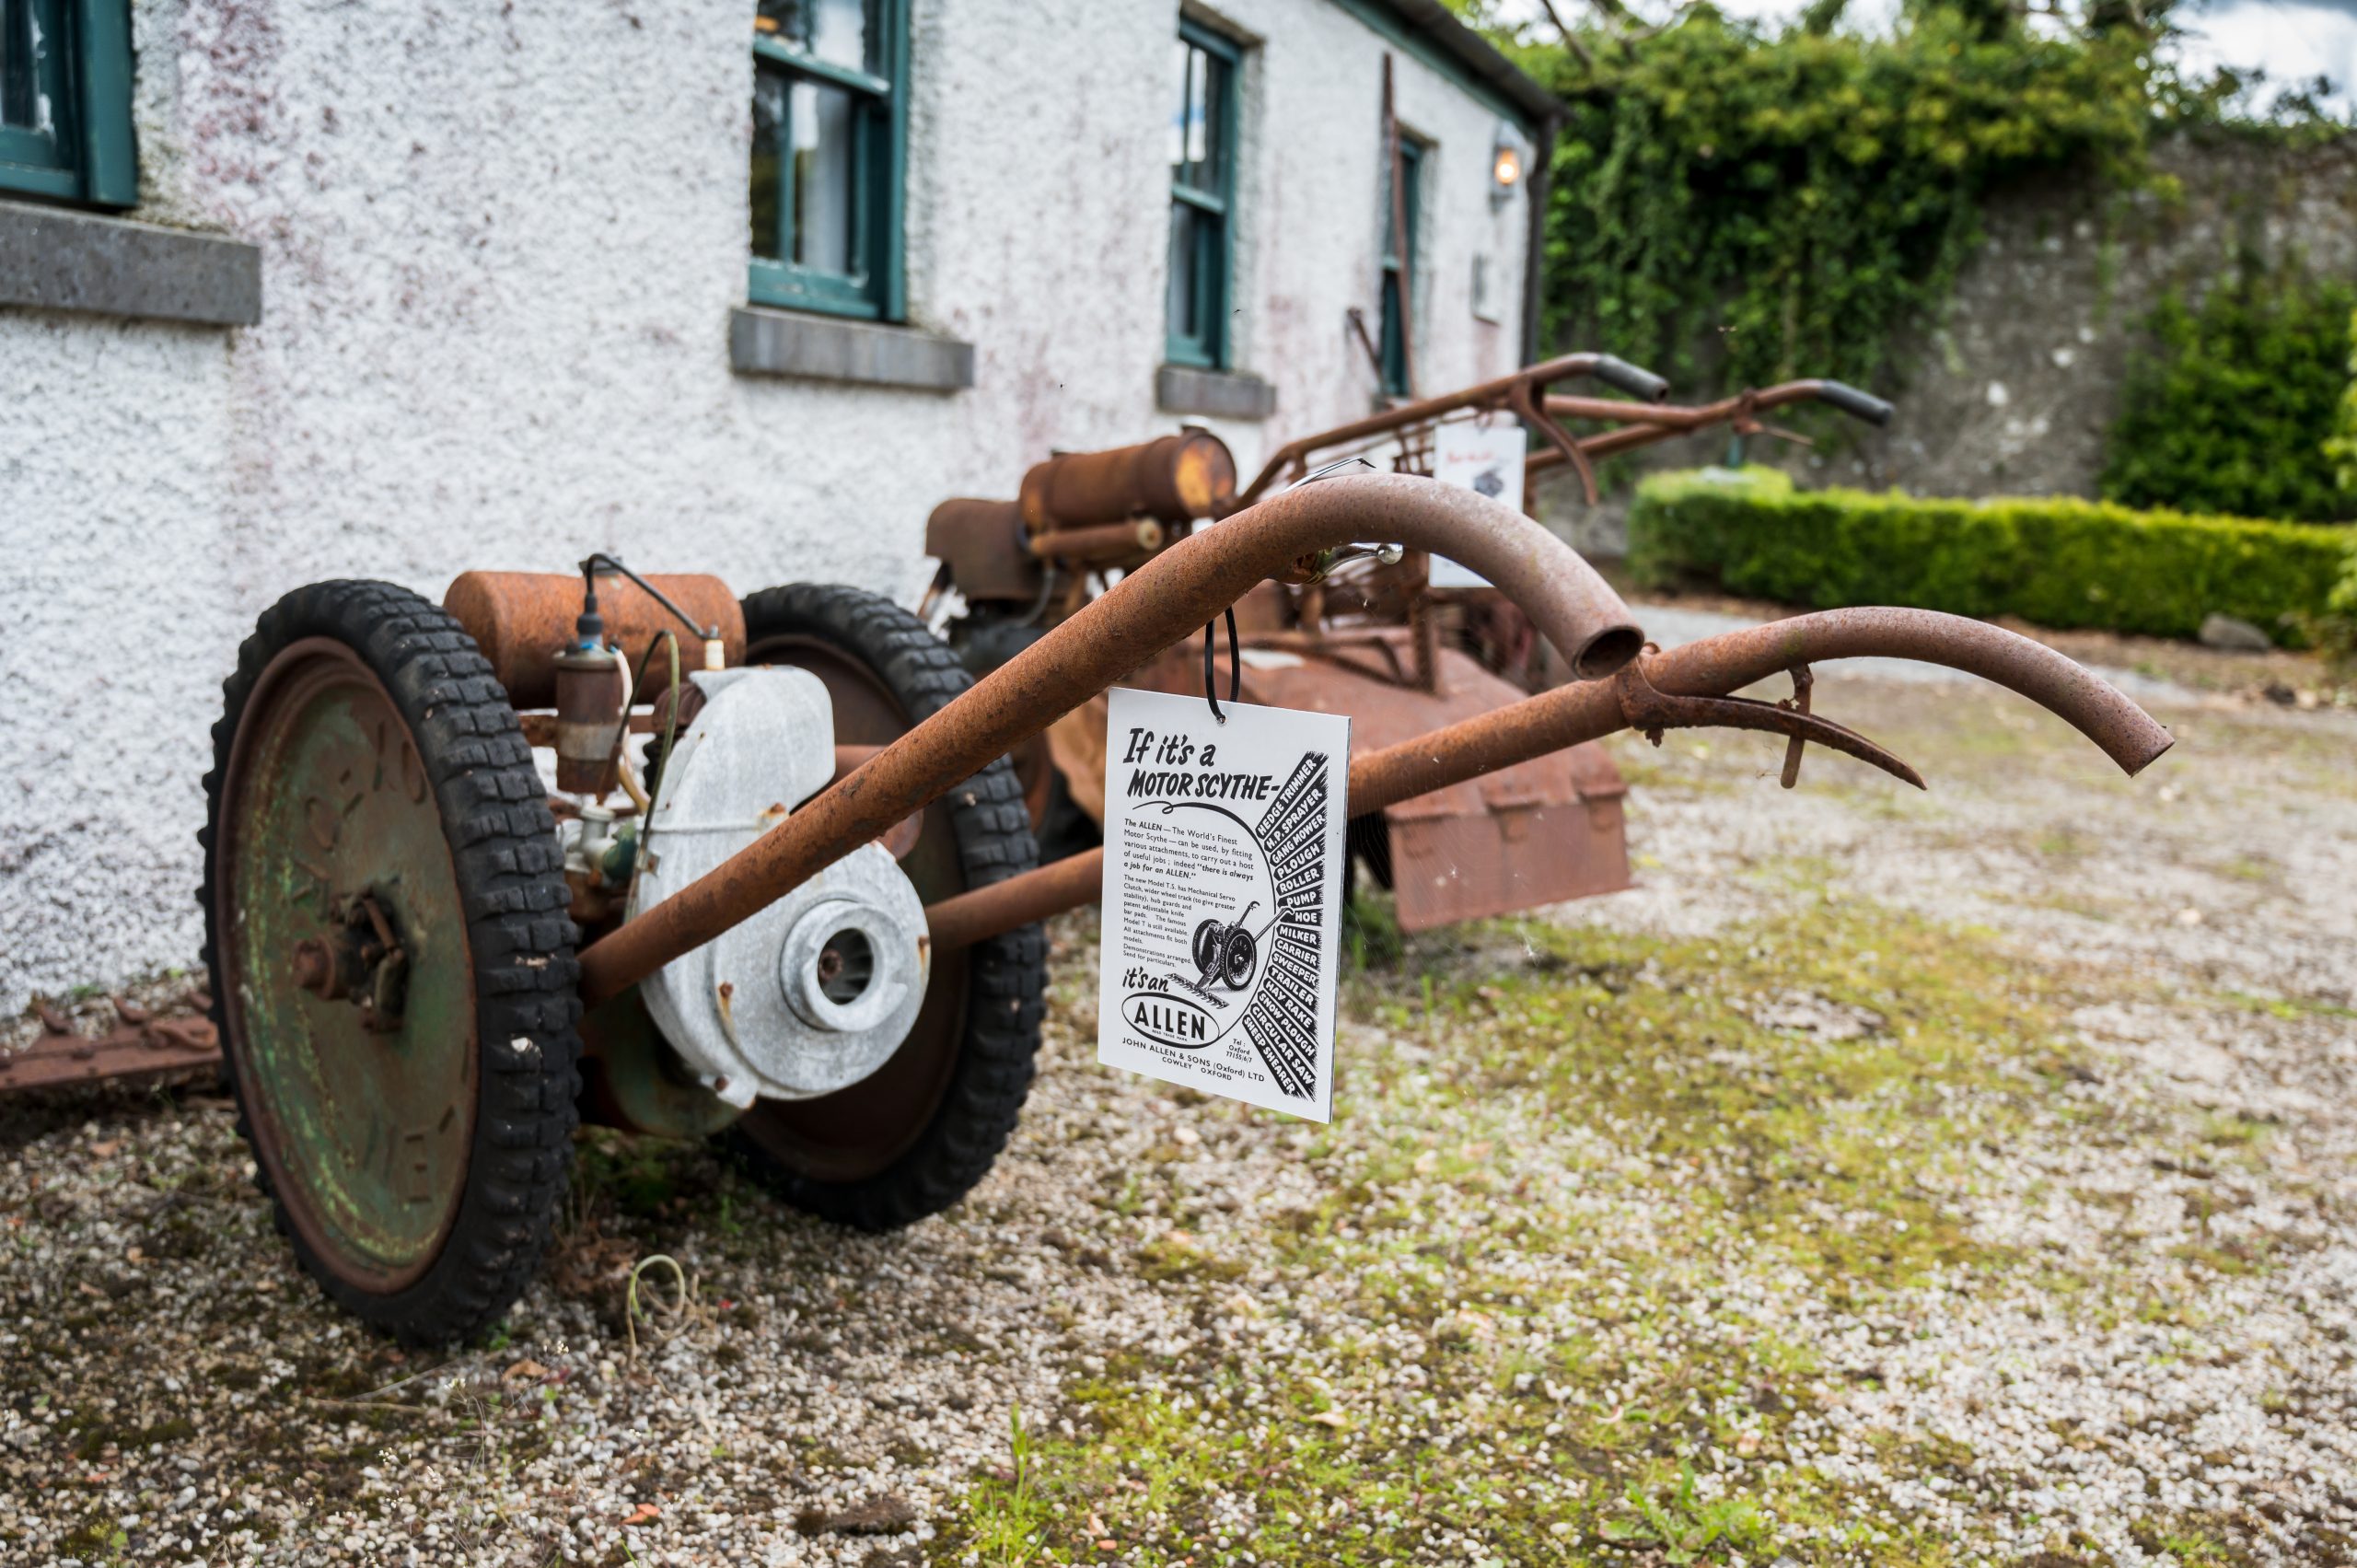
[523, 620]
[177, 1042]
[1076, 749]
[983, 544]
[1538, 832]
[1455, 860]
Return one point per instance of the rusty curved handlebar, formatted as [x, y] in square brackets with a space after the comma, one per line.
[1513, 391]
[1640, 425]
[1732, 660]
[1569, 714]
[1677, 417]
[1168, 598]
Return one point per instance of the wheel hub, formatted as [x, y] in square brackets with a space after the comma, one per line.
[360, 960]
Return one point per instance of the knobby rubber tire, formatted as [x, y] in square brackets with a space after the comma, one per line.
[983, 645]
[1241, 954]
[1007, 977]
[509, 867]
[1207, 945]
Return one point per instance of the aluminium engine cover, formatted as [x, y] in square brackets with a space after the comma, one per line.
[817, 991]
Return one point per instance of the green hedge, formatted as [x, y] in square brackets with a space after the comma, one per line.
[2054, 562]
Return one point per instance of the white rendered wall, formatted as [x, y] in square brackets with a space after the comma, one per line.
[499, 256]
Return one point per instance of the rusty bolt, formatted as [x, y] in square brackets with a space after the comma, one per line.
[314, 966]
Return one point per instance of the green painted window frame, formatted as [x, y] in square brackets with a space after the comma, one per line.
[1393, 343]
[81, 65]
[1212, 211]
[877, 289]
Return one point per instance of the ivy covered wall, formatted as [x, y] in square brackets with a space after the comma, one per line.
[2012, 381]
[2012, 227]
[1780, 205]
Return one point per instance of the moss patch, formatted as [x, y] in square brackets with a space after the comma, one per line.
[1583, 1193]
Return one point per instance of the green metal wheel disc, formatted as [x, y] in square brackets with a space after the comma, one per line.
[346, 977]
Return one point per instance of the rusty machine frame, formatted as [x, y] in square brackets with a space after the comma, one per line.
[808, 924]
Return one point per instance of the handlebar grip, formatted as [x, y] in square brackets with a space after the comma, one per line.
[1855, 403]
[1630, 379]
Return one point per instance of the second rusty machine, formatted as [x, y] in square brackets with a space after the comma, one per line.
[1366, 633]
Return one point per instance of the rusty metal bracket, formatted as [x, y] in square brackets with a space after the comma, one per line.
[1532, 409]
[1798, 702]
[1650, 711]
[1355, 319]
[1314, 569]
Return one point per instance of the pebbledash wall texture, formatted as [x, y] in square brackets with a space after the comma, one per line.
[500, 250]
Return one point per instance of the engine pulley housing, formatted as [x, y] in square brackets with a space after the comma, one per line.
[818, 990]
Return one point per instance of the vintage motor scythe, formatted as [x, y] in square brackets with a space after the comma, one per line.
[810, 923]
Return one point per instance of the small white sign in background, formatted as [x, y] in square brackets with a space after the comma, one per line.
[1223, 896]
[1478, 455]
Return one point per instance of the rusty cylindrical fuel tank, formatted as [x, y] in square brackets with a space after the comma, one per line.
[1173, 478]
[522, 621]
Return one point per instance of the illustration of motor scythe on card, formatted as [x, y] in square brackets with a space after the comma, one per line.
[1228, 952]
[806, 916]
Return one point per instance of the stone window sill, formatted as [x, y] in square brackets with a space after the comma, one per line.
[1218, 394]
[822, 348]
[62, 260]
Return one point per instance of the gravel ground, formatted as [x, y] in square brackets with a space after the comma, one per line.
[1891, 1178]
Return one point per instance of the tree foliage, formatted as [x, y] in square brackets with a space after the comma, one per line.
[1796, 198]
[2342, 446]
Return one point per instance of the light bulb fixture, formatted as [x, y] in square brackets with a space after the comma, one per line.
[1505, 166]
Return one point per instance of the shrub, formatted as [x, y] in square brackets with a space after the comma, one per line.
[2337, 630]
[2342, 447]
[2232, 407]
[2057, 561]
